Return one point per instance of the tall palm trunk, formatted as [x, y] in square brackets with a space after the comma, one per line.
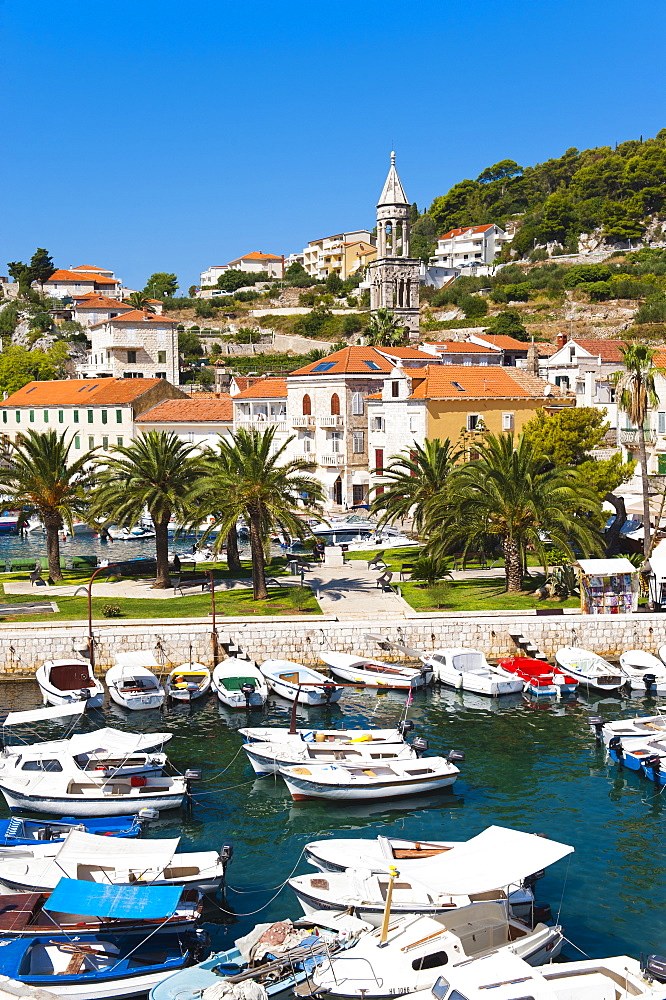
[162, 580]
[53, 525]
[233, 556]
[646, 496]
[513, 565]
[257, 548]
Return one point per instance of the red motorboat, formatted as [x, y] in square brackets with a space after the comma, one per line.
[540, 678]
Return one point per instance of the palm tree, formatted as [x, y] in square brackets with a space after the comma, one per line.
[158, 471]
[636, 394]
[512, 492]
[36, 472]
[249, 478]
[383, 330]
[414, 478]
[139, 301]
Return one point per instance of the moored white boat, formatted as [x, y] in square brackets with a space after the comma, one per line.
[188, 682]
[375, 673]
[239, 684]
[337, 854]
[298, 683]
[384, 779]
[269, 758]
[640, 728]
[283, 734]
[132, 684]
[644, 671]
[469, 670]
[58, 794]
[63, 681]
[129, 534]
[590, 669]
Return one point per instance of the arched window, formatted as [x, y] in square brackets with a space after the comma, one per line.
[335, 405]
[307, 405]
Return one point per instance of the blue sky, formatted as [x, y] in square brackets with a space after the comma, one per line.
[167, 136]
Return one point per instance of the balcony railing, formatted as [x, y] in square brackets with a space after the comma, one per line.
[331, 421]
[259, 425]
[302, 421]
[631, 436]
[332, 460]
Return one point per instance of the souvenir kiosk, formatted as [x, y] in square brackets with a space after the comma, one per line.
[607, 586]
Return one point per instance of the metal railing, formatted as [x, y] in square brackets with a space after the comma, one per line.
[630, 436]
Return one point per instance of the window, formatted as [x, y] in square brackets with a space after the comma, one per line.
[77, 441]
[395, 389]
[46, 416]
[662, 422]
[76, 416]
[18, 416]
[413, 424]
[42, 765]
[161, 357]
[432, 961]
[61, 417]
[562, 380]
[472, 421]
[372, 366]
[379, 460]
[378, 423]
[131, 357]
[325, 366]
[90, 416]
[119, 442]
[307, 405]
[507, 421]
[105, 443]
[32, 416]
[580, 387]
[119, 416]
[307, 441]
[661, 465]
[335, 439]
[4, 416]
[357, 404]
[160, 374]
[358, 442]
[335, 405]
[104, 416]
[91, 442]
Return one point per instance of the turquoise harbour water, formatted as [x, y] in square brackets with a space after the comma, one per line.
[533, 767]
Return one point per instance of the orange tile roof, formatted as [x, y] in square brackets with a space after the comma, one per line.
[607, 350]
[465, 229]
[137, 316]
[475, 381]
[354, 360]
[463, 347]
[503, 342]
[212, 409]
[255, 255]
[94, 301]
[89, 267]
[265, 388]
[64, 275]
[81, 392]
[242, 381]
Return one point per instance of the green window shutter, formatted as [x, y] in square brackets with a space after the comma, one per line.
[119, 416]
[76, 416]
[90, 416]
[104, 416]
[77, 441]
[46, 416]
[661, 461]
[32, 416]
[61, 416]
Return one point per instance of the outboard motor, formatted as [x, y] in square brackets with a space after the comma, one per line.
[654, 764]
[455, 756]
[405, 727]
[615, 744]
[420, 744]
[329, 690]
[226, 854]
[654, 967]
[198, 943]
[247, 690]
[596, 724]
[145, 816]
[650, 681]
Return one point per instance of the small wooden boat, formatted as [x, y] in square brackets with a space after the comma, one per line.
[74, 906]
[58, 794]
[239, 684]
[382, 780]
[644, 672]
[336, 855]
[589, 669]
[640, 728]
[18, 831]
[541, 680]
[188, 682]
[375, 673]
[469, 670]
[299, 683]
[114, 861]
[283, 734]
[269, 758]
[275, 956]
[62, 681]
[132, 684]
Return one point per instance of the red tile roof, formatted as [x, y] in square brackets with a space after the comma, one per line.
[465, 229]
[212, 409]
[607, 350]
[64, 275]
[255, 255]
[363, 360]
[89, 267]
[81, 392]
[137, 316]
[474, 382]
[93, 301]
[503, 342]
[265, 388]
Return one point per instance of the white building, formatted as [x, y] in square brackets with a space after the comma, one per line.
[200, 420]
[344, 254]
[251, 263]
[586, 367]
[91, 309]
[469, 245]
[94, 413]
[262, 404]
[135, 344]
[85, 279]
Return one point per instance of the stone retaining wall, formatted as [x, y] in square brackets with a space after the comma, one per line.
[24, 645]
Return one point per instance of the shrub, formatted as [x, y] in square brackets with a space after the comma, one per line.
[299, 597]
[247, 336]
[430, 569]
[581, 274]
[352, 324]
[204, 309]
[517, 293]
[599, 291]
[111, 611]
[438, 594]
[652, 311]
[473, 305]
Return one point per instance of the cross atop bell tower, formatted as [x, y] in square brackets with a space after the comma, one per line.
[393, 217]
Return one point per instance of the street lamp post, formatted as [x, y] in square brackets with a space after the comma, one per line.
[91, 647]
[211, 578]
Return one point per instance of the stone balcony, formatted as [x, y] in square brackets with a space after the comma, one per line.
[336, 421]
[261, 425]
[331, 460]
[630, 437]
[306, 421]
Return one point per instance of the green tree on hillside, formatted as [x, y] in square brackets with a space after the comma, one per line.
[19, 365]
[161, 285]
[41, 267]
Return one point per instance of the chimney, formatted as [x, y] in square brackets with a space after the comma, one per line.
[561, 339]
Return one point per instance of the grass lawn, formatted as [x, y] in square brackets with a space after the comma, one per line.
[479, 595]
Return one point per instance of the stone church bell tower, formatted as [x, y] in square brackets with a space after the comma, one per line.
[394, 275]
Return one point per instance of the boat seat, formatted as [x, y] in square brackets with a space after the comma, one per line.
[13, 827]
[75, 964]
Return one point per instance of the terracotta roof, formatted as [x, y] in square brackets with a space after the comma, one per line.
[81, 392]
[94, 301]
[546, 350]
[503, 342]
[255, 255]
[63, 275]
[215, 409]
[464, 347]
[137, 316]
[265, 388]
[475, 382]
[362, 360]
[535, 385]
[465, 229]
[607, 350]
[374, 395]
[242, 381]
[89, 267]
